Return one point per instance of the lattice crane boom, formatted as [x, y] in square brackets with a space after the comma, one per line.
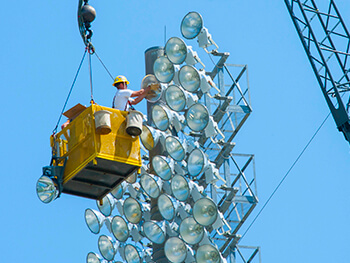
[326, 41]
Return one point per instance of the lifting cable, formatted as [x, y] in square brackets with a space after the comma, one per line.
[70, 91]
[285, 176]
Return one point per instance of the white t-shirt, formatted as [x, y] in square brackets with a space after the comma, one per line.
[121, 98]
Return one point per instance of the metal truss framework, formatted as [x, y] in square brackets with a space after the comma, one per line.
[230, 110]
[326, 41]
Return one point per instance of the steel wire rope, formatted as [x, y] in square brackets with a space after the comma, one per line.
[285, 176]
[104, 66]
[69, 93]
[90, 71]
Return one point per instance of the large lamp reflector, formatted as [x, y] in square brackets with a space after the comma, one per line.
[93, 258]
[208, 254]
[161, 117]
[154, 232]
[189, 78]
[191, 25]
[175, 250]
[131, 254]
[205, 211]
[132, 210]
[120, 229]
[175, 148]
[190, 231]
[46, 189]
[197, 117]
[149, 185]
[155, 92]
[166, 207]
[196, 162]
[180, 188]
[94, 220]
[149, 137]
[106, 205]
[162, 167]
[118, 191]
[107, 247]
[163, 69]
[176, 50]
[177, 99]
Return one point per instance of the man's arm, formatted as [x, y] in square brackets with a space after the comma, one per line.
[140, 92]
[140, 97]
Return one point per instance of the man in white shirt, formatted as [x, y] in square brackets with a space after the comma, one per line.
[121, 100]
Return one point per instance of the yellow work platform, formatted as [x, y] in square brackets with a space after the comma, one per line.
[95, 163]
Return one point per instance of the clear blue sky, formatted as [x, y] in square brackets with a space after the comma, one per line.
[306, 221]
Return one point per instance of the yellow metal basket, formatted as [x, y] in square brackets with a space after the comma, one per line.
[96, 163]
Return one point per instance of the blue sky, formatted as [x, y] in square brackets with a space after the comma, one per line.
[307, 219]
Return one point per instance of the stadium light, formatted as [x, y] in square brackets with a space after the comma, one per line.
[192, 26]
[208, 253]
[163, 69]
[156, 90]
[180, 188]
[205, 211]
[177, 98]
[47, 189]
[106, 205]
[178, 52]
[132, 210]
[132, 255]
[154, 231]
[120, 229]
[118, 191]
[150, 137]
[175, 250]
[175, 148]
[150, 185]
[163, 167]
[197, 162]
[190, 231]
[191, 79]
[197, 117]
[164, 117]
[94, 220]
[93, 258]
[167, 206]
[108, 247]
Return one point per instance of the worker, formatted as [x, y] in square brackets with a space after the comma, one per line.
[121, 100]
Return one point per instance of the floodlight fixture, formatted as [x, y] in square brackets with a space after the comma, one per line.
[190, 231]
[191, 79]
[192, 26]
[178, 52]
[107, 247]
[177, 98]
[197, 162]
[132, 210]
[118, 191]
[180, 188]
[132, 254]
[154, 231]
[94, 220]
[47, 189]
[197, 117]
[175, 148]
[208, 254]
[175, 250]
[166, 206]
[106, 205]
[161, 117]
[156, 90]
[150, 137]
[93, 258]
[149, 185]
[205, 211]
[163, 69]
[120, 229]
[163, 167]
